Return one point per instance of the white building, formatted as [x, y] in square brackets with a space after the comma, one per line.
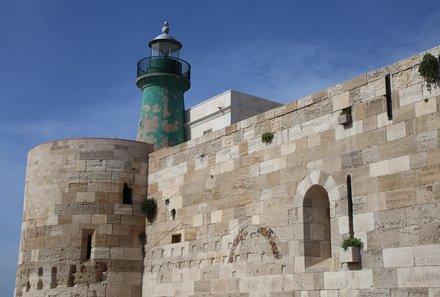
[223, 110]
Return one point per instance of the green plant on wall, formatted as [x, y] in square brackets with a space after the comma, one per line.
[429, 70]
[149, 209]
[267, 137]
[351, 242]
[173, 213]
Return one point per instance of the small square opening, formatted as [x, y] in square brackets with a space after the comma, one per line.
[176, 238]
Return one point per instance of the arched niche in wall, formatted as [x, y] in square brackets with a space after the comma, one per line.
[313, 215]
[317, 238]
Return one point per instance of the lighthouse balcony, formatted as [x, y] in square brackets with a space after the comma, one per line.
[160, 64]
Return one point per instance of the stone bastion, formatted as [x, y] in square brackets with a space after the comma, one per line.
[81, 219]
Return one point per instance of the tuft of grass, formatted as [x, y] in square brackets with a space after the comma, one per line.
[267, 137]
[149, 209]
[428, 69]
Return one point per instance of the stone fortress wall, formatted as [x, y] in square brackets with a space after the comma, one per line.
[81, 219]
[255, 219]
[238, 217]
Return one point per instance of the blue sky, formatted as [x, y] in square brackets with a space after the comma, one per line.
[67, 68]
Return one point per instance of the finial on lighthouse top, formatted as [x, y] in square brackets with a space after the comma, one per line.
[165, 40]
[165, 28]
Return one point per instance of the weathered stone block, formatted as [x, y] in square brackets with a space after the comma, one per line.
[398, 257]
[385, 278]
[362, 279]
[427, 255]
[425, 107]
[216, 216]
[352, 159]
[410, 95]
[427, 141]
[363, 222]
[335, 280]
[123, 209]
[396, 131]
[85, 197]
[341, 101]
[100, 253]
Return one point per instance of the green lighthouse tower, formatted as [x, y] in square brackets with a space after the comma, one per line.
[163, 78]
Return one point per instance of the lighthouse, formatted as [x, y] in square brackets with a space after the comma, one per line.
[163, 78]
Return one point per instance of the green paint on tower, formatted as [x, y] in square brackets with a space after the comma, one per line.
[162, 114]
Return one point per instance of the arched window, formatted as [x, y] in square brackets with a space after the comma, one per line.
[316, 215]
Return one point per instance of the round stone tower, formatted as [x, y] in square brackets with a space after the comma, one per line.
[163, 78]
[83, 232]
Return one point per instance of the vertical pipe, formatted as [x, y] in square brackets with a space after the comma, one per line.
[350, 206]
[389, 97]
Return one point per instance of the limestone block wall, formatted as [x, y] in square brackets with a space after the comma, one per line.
[238, 217]
[78, 237]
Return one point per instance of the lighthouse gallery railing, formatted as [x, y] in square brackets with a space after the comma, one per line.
[159, 64]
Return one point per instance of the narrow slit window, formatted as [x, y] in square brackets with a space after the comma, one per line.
[87, 244]
[89, 247]
[53, 278]
[389, 97]
[71, 277]
[40, 284]
[176, 238]
[127, 195]
[350, 206]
